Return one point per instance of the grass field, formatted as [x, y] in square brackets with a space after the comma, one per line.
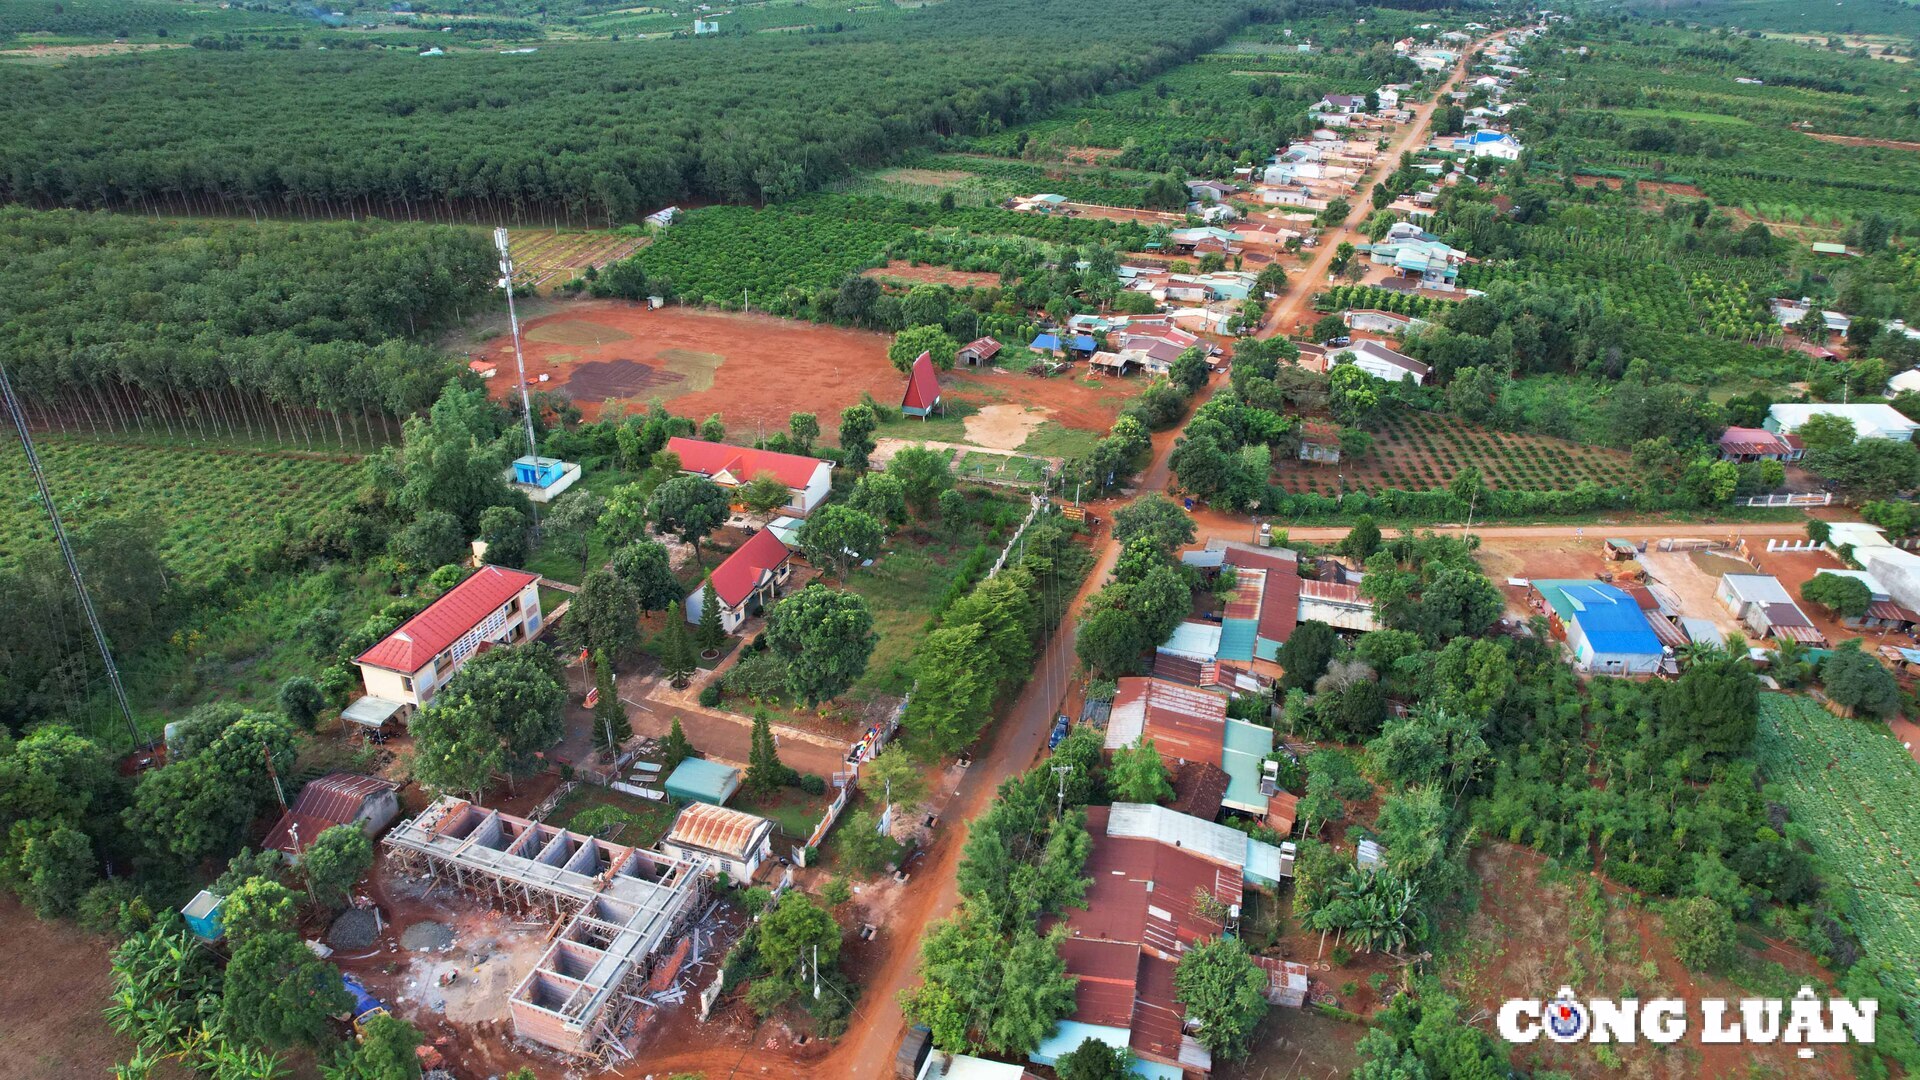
[206, 503]
[1851, 784]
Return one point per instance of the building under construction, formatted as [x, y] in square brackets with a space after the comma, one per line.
[617, 908]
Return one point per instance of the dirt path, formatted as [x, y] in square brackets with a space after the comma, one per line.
[1571, 532]
[1285, 313]
[1860, 140]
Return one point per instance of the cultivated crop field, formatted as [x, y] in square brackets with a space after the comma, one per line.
[1851, 784]
[208, 503]
[542, 255]
[1422, 451]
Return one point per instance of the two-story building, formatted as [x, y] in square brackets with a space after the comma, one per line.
[493, 606]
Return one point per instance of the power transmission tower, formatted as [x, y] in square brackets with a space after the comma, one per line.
[66, 553]
[519, 361]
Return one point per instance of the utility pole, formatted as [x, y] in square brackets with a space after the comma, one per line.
[1061, 771]
[66, 554]
[519, 361]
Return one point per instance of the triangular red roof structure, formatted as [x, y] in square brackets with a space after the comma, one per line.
[923, 385]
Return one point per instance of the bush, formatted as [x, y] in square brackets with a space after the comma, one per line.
[760, 675]
[710, 695]
[811, 784]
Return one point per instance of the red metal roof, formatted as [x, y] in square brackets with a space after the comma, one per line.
[1143, 891]
[1158, 1017]
[743, 463]
[1184, 723]
[718, 829]
[446, 620]
[1106, 971]
[985, 348]
[923, 384]
[1753, 441]
[334, 799]
[1280, 599]
[1331, 591]
[735, 578]
[1887, 609]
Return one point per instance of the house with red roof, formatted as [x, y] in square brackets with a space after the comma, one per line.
[493, 606]
[1161, 883]
[747, 582]
[808, 479]
[334, 799]
[923, 388]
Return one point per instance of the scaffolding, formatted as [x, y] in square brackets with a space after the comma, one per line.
[614, 909]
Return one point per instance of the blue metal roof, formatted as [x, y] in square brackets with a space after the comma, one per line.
[1611, 620]
[1085, 343]
[1046, 341]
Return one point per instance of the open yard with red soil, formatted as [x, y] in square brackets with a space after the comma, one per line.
[751, 369]
[1067, 399]
[1418, 451]
[899, 270]
[55, 984]
[1538, 927]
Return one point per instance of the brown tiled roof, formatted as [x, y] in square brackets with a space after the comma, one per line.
[1198, 788]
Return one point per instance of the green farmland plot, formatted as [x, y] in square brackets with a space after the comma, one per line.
[206, 503]
[1852, 785]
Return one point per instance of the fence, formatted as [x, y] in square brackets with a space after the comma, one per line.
[1039, 504]
[547, 804]
[1795, 545]
[1814, 498]
[870, 744]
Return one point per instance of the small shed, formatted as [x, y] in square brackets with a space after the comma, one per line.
[978, 351]
[732, 842]
[203, 916]
[1370, 856]
[1286, 981]
[700, 780]
[542, 479]
[371, 712]
[334, 799]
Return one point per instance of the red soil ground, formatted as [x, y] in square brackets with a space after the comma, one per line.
[766, 367]
[58, 976]
[901, 270]
[1861, 140]
[1068, 399]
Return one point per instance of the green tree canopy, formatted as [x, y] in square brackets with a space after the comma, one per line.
[645, 568]
[1224, 990]
[336, 859]
[1138, 775]
[837, 537]
[826, 637]
[689, 507]
[496, 714]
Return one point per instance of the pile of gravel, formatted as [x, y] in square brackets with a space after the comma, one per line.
[354, 931]
[427, 936]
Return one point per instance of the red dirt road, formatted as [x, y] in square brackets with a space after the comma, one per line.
[767, 367]
[1287, 311]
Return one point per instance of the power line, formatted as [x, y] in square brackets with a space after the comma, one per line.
[66, 553]
[519, 362]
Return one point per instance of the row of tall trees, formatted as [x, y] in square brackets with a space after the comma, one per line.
[599, 131]
[107, 321]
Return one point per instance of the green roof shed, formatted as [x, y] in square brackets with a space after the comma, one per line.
[700, 780]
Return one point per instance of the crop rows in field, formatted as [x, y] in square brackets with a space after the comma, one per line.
[539, 255]
[206, 503]
[1417, 451]
[1852, 786]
